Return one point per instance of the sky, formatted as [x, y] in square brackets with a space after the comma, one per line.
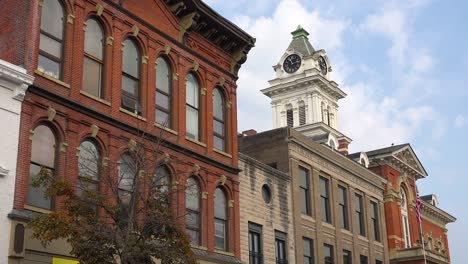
[403, 64]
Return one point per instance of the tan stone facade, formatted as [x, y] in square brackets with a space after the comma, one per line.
[269, 217]
[290, 152]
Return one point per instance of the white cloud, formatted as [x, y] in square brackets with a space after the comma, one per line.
[459, 121]
[273, 37]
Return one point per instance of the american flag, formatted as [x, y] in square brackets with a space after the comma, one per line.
[418, 207]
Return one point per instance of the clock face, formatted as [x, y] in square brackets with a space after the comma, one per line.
[323, 65]
[292, 63]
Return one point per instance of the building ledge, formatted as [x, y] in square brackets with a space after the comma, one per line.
[416, 253]
[215, 257]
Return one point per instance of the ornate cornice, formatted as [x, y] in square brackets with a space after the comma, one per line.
[14, 78]
[430, 212]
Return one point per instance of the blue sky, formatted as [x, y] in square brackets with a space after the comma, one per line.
[403, 65]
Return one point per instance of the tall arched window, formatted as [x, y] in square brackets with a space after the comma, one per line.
[93, 59]
[323, 111]
[88, 167]
[302, 113]
[162, 179]
[221, 220]
[193, 211]
[51, 39]
[329, 116]
[131, 77]
[219, 123]
[192, 103]
[163, 93]
[127, 172]
[289, 115]
[43, 151]
[404, 218]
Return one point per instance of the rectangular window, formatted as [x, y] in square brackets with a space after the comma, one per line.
[289, 117]
[302, 115]
[375, 220]
[360, 215]
[347, 257]
[325, 199]
[328, 254]
[281, 248]
[343, 207]
[378, 262]
[255, 244]
[364, 260]
[304, 190]
[308, 249]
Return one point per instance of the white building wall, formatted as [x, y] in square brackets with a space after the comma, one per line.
[13, 84]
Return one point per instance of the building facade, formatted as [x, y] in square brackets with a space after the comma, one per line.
[400, 166]
[14, 82]
[266, 212]
[107, 71]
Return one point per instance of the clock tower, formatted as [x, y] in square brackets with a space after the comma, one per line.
[303, 96]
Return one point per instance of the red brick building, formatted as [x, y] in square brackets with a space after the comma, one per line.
[107, 71]
[400, 166]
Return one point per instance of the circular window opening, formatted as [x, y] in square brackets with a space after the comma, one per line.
[266, 193]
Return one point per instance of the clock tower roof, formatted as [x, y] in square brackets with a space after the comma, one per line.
[300, 42]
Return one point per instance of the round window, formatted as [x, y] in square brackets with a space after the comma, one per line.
[266, 193]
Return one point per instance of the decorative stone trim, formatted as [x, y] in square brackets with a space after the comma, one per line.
[222, 81]
[3, 171]
[99, 9]
[135, 30]
[204, 195]
[195, 66]
[223, 179]
[14, 78]
[167, 49]
[94, 130]
[51, 114]
[144, 59]
[175, 76]
[110, 40]
[63, 147]
[203, 91]
[231, 203]
[70, 19]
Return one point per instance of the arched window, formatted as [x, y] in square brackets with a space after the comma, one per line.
[289, 116]
[51, 39]
[324, 113]
[193, 211]
[192, 112]
[163, 93]
[219, 123]
[93, 59]
[88, 167]
[162, 179]
[131, 77]
[404, 218]
[127, 172]
[43, 151]
[221, 220]
[329, 116]
[302, 113]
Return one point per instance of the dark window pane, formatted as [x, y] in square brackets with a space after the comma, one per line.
[130, 86]
[347, 257]
[304, 199]
[194, 236]
[131, 59]
[218, 105]
[51, 46]
[303, 174]
[220, 234]
[302, 115]
[290, 118]
[127, 170]
[52, 18]
[219, 143]
[162, 101]
[218, 127]
[192, 219]
[49, 67]
[162, 179]
[192, 123]
[43, 147]
[162, 118]
[192, 91]
[220, 204]
[88, 160]
[94, 39]
[163, 78]
[92, 72]
[192, 195]
[36, 194]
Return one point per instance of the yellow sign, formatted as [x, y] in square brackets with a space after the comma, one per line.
[63, 261]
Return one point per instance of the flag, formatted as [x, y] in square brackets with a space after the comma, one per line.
[418, 207]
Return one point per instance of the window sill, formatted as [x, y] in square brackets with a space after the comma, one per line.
[196, 142]
[95, 98]
[166, 129]
[220, 251]
[222, 153]
[363, 238]
[53, 79]
[198, 247]
[37, 209]
[132, 114]
[328, 225]
[346, 231]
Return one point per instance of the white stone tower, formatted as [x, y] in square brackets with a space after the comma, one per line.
[303, 96]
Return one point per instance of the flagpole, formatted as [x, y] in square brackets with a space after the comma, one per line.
[419, 216]
[422, 241]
